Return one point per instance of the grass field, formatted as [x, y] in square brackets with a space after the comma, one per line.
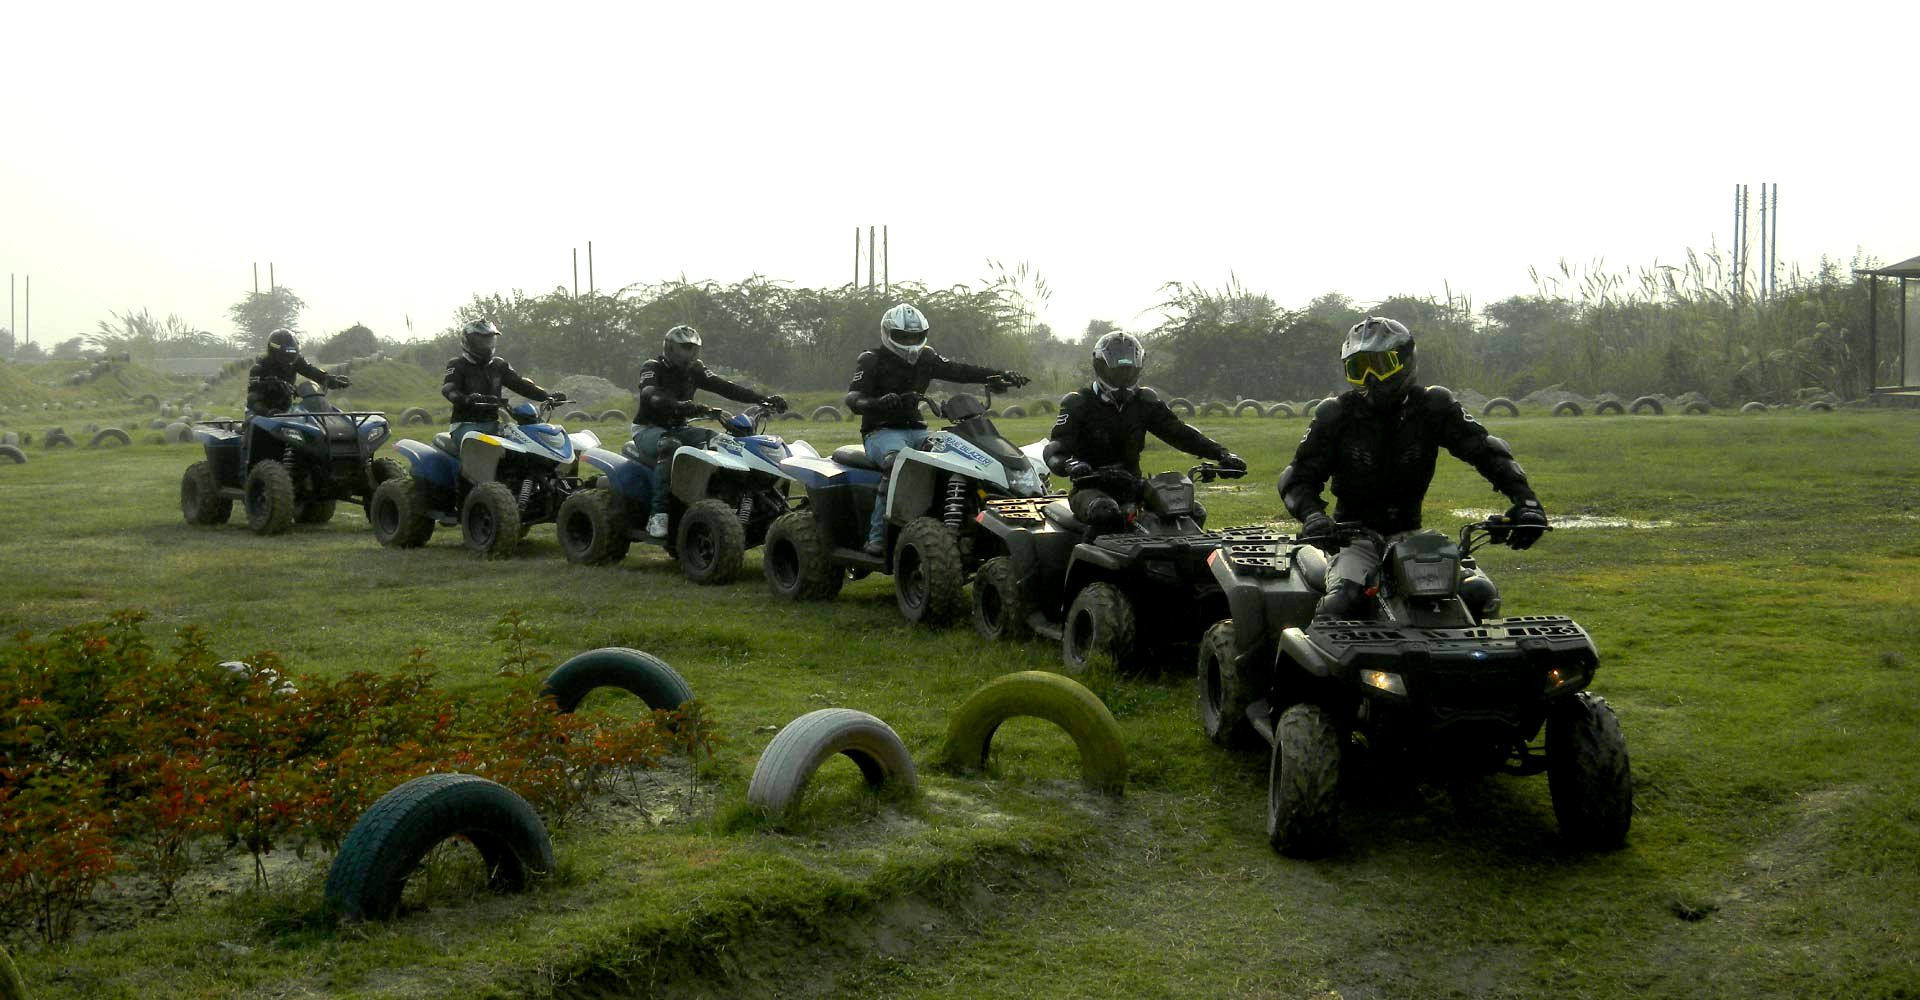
[1763, 654]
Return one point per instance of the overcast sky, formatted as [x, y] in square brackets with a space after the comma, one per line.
[392, 159]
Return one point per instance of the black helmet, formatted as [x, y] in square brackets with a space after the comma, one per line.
[1377, 358]
[1117, 361]
[903, 330]
[477, 337]
[283, 343]
[681, 346]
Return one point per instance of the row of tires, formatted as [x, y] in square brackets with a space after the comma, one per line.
[1498, 405]
[13, 444]
[389, 841]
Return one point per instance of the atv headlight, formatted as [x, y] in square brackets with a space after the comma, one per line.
[1025, 482]
[292, 433]
[1390, 683]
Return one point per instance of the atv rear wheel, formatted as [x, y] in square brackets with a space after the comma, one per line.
[797, 563]
[712, 542]
[379, 471]
[928, 580]
[1588, 772]
[590, 527]
[999, 608]
[269, 498]
[1100, 623]
[1222, 695]
[315, 512]
[200, 499]
[398, 513]
[1303, 784]
[490, 521]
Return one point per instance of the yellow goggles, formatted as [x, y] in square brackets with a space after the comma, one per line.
[1382, 365]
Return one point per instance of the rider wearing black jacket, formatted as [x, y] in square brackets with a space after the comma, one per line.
[270, 380]
[1104, 426]
[1378, 443]
[667, 385]
[475, 379]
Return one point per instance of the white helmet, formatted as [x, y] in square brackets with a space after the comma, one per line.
[903, 330]
[681, 346]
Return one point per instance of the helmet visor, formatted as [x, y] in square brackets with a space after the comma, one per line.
[1377, 365]
[682, 355]
[907, 338]
[1122, 374]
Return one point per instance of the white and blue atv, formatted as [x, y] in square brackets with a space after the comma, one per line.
[494, 487]
[725, 495]
[286, 468]
[934, 500]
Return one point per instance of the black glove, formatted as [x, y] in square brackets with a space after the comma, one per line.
[898, 401]
[557, 397]
[1230, 462]
[777, 403]
[482, 399]
[1078, 469]
[688, 408]
[1319, 530]
[337, 381]
[1014, 378]
[1528, 521]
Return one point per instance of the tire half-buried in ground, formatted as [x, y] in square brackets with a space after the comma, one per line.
[641, 674]
[388, 842]
[798, 750]
[1039, 694]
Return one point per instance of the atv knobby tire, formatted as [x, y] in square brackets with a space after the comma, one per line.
[1100, 623]
[643, 675]
[929, 582]
[1303, 784]
[200, 499]
[799, 748]
[1038, 694]
[591, 528]
[999, 608]
[797, 562]
[1588, 772]
[398, 513]
[269, 498]
[315, 512]
[712, 542]
[13, 454]
[490, 521]
[112, 435]
[1222, 695]
[391, 838]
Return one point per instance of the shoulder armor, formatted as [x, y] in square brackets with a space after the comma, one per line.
[1071, 400]
[1439, 397]
[1328, 411]
[1147, 394]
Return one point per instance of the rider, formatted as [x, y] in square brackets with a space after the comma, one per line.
[667, 385]
[1105, 425]
[886, 391]
[1377, 442]
[475, 379]
[270, 380]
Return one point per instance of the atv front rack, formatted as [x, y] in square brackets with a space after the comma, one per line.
[1020, 510]
[1260, 550]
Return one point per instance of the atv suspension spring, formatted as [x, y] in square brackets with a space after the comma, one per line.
[526, 492]
[746, 507]
[956, 511]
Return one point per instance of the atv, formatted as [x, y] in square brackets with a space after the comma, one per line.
[934, 541]
[495, 486]
[1431, 683]
[286, 468]
[1061, 580]
[726, 494]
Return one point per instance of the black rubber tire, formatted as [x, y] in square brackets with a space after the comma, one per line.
[801, 746]
[1249, 406]
[929, 582]
[1753, 407]
[1696, 408]
[395, 833]
[315, 512]
[638, 673]
[1588, 772]
[398, 513]
[1606, 406]
[1014, 412]
[269, 500]
[200, 499]
[1566, 408]
[1499, 403]
[1303, 783]
[1039, 694]
[1645, 403]
[379, 471]
[791, 415]
[1041, 406]
[107, 434]
[415, 415]
[578, 417]
[57, 438]
[1100, 622]
[1221, 694]
[711, 543]
[613, 416]
[490, 521]
[13, 454]
[797, 562]
[179, 432]
[148, 400]
[1818, 406]
[1182, 405]
[1213, 408]
[831, 413]
[1280, 410]
[592, 528]
[1312, 405]
[1000, 610]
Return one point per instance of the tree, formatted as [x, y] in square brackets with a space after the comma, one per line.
[1096, 328]
[6, 342]
[69, 349]
[261, 313]
[355, 341]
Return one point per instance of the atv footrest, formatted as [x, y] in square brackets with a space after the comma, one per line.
[860, 559]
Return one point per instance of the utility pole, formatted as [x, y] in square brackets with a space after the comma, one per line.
[1773, 251]
[1763, 240]
[576, 272]
[886, 263]
[29, 308]
[272, 285]
[12, 317]
[256, 277]
[589, 269]
[869, 258]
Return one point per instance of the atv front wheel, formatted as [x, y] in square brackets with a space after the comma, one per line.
[379, 471]
[315, 512]
[1100, 623]
[712, 542]
[1222, 695]
[797, 562]
[591, 529]
[928, 581]
[269, 502]
[200, 499]
[1588, 773]
[1303, 785]
[398, 513]
[490, 521]
[999, 608]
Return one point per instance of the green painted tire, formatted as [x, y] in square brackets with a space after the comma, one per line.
[1060, 700]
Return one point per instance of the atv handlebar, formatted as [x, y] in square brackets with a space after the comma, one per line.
[1207, 472]
[1495, 530]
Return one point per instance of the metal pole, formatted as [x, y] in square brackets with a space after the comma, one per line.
[869, 258]
[272, 285]
[1773, 253]
[576, 272]
[886, 262]
[29, 308]
[589, 269]
[1735, 263]
[13, 318]
[856, 258]
[256, 277]
[1873, 333]
[1763, 239]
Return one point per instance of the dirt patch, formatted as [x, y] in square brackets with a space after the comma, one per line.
[1569, 521]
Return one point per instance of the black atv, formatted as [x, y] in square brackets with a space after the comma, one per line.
[286, 468]
[1060, 579]
[1429, 683]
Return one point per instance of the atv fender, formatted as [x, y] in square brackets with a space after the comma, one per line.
[424, 461]
[374, 430]
[1246, 605]
[1022, 553]
[820, 473]
[694, 468]
[480, 456]
[1295, 646]
[627, 478]
[801, 449]
[1090, 563]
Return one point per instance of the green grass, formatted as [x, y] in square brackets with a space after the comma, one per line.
[1761, 654]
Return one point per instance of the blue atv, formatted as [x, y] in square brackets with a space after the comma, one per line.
[726, 494]
[286, 468]
[494, 486]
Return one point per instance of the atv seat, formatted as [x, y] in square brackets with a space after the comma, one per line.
[1311, 564]
[443, 441]
[854, 456]
[631, 450]
[1060, 515]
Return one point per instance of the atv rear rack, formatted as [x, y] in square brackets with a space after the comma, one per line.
[1018, 510]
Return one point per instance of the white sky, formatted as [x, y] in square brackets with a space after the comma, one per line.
[394, 158]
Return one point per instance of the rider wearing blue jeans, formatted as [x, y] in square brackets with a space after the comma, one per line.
[667, 386]
[475, 380]
[886, 391]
